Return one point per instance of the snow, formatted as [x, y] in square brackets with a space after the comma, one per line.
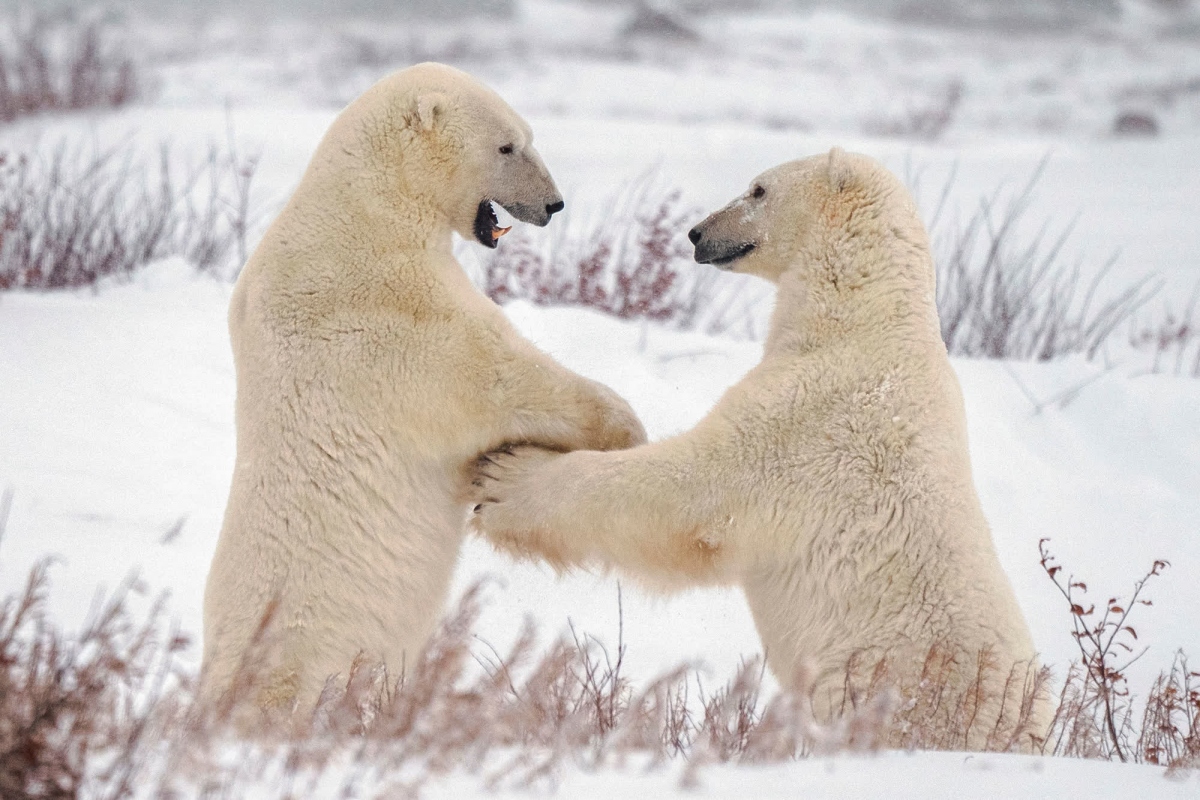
[903, 776]
[894, 775]
[116, 424]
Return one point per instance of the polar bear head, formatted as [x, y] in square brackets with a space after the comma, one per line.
[455, 148]
[793, 214]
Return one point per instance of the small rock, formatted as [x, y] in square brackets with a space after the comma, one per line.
[651, 23]
[1135, 123]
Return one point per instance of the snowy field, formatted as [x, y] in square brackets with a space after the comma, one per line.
[116, 427]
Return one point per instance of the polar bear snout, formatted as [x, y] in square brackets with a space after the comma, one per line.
[723, 254]
[523, 187]
[535, 214]
[720, 242]
[487, 229]
[718, 252]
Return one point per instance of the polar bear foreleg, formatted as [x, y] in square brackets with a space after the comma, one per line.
[540, 402]
[632, 509]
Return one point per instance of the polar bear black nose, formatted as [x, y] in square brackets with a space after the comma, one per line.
[694, 235]
[554, 208]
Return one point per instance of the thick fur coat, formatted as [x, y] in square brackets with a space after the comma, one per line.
[833, 483]
[369, 370]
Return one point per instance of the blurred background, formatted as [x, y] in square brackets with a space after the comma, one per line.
[921, 69]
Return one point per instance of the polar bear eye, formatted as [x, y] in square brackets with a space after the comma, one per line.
[758, 192]
[506, 149]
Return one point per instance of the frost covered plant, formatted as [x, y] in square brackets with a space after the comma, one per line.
[926, 120]
[1173, 340]
[80, 712]
[629, 265]
[1095, 713]
[66, 66]
[1170, 732]
[109, 711]
[70, 216]
[1002, 296]
[934, 715]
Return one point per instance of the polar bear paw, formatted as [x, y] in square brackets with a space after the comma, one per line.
[506, 498]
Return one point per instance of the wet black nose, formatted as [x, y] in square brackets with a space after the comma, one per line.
[694, 234]
[554, 208]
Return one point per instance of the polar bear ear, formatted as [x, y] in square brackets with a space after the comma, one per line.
[431, 107]
[840, 170]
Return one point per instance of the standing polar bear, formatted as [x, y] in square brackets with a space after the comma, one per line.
[833, 482]
[369, 371]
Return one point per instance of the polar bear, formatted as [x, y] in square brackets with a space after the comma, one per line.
[833, 483]
[369, 370]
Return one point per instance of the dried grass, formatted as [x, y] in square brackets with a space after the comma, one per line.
[926, 120]
[997, 710]
[62, 65]
[1096, 714]
[71, 216]
[1170, 729]
[1172, 340]
[109, 710]
[1001, 295]
[82, 711]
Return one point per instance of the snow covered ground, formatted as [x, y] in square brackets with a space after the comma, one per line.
[116, 430]
[904, 776]
[118, 442]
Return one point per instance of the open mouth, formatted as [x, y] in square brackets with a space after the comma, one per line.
[729, 258]
[487, 228]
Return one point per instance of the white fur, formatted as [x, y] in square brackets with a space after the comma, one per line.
[832, 483]
[369, 371]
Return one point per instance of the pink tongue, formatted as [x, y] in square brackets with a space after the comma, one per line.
[498, 232]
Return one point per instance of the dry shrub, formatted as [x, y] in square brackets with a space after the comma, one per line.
[108, 711]
[524, 715]
[1170, 732]
[62, 66]
[995, 710]
[1096, 712]
[517, 718]
[71, 216]
[1001, 296]
[1172, 340]
[924, 121]
[80, 711]
[627, 266]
